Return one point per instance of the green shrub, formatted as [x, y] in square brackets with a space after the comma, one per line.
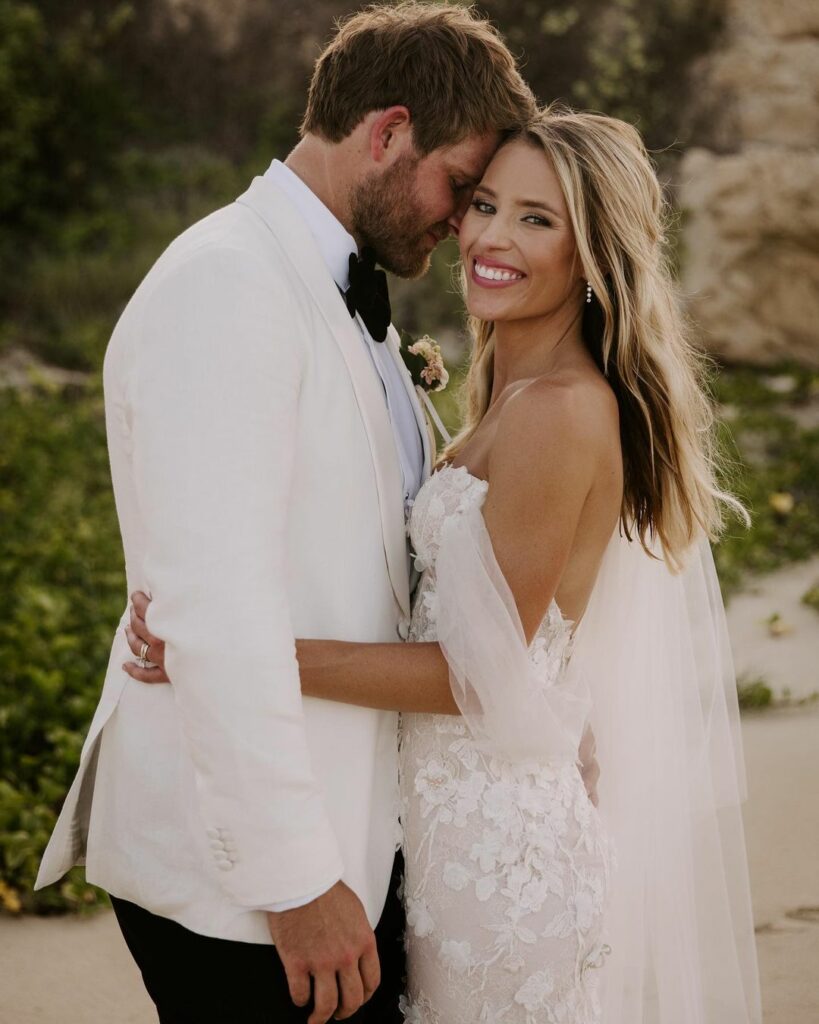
[62, 112]
[754, 694]
[61, 574]
[776, 472]
[75, 285]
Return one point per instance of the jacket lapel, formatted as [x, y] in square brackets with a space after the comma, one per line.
[298, 246]
[393, 342]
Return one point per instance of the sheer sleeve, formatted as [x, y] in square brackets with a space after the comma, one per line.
[518, 703]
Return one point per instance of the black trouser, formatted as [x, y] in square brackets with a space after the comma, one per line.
[194, 979]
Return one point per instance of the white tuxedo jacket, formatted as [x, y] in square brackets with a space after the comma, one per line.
[259, 496]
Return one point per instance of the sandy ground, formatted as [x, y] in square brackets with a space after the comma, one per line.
[69, 971]
[790, 660]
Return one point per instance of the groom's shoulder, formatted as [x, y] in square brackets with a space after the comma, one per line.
[260, 220]
[233, 227]
[227, 245]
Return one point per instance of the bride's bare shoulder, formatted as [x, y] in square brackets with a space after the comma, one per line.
[575, 405]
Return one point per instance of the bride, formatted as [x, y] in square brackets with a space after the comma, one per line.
[568, 588]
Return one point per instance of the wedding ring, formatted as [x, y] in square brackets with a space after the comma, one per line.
[142, 660]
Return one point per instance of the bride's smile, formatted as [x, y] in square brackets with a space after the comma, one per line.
[488, 273]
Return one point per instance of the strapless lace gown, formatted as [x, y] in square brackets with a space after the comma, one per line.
[507, 864]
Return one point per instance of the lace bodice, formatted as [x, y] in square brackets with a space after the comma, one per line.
[506, 862]
[449, 492]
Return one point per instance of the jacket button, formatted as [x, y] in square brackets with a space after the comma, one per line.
[403, 629]
[212, 833]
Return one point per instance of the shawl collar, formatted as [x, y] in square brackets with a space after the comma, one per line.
[299, 247]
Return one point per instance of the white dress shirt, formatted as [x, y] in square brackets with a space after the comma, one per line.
[336, 244]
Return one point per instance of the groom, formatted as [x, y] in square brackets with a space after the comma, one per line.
[265, 444]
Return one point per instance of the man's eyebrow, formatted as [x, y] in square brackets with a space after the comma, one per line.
[537, 204]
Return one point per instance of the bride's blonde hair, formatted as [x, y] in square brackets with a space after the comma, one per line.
[633, 328]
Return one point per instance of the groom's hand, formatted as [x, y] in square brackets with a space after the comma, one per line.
[331, 940]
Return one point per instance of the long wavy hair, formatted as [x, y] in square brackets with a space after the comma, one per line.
[634, 329]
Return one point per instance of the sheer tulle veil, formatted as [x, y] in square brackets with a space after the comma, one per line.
[651, 669]
[653, 650]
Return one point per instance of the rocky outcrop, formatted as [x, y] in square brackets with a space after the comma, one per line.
[751, 203]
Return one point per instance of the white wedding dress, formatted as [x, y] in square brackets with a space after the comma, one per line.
[524, 904]
[507, 863]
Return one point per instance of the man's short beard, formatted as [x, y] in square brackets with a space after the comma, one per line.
[386, 215]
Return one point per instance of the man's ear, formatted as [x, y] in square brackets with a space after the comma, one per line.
[391, 134]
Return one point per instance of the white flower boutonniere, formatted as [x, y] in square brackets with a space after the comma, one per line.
[425, 363]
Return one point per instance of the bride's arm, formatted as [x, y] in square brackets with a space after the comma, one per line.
[392, 677]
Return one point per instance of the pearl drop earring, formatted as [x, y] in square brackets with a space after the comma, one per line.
[588, 291]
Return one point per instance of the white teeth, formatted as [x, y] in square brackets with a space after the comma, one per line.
[494, 274]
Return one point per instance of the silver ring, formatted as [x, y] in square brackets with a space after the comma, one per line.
[143, 652]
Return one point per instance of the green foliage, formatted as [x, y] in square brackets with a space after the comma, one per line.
[123, 122]
[775, 471]
[61, 574]
[627, 58]
[63, 117]
[811, 597]
[754, 694]
[77, 283]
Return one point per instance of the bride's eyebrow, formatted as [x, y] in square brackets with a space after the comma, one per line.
[538, 204]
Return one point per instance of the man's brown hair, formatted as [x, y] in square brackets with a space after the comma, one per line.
[445, 63]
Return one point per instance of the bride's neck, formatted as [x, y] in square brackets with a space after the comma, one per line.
[525, 349]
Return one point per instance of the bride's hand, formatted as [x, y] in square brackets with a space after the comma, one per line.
[138, 634]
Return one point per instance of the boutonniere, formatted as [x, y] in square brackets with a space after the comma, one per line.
[425, 362]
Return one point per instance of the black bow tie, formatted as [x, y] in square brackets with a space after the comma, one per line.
[368, 295]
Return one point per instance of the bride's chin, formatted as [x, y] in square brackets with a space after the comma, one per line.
[483, 310]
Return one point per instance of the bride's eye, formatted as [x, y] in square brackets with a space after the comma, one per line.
[540, 221]
[482, 206]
